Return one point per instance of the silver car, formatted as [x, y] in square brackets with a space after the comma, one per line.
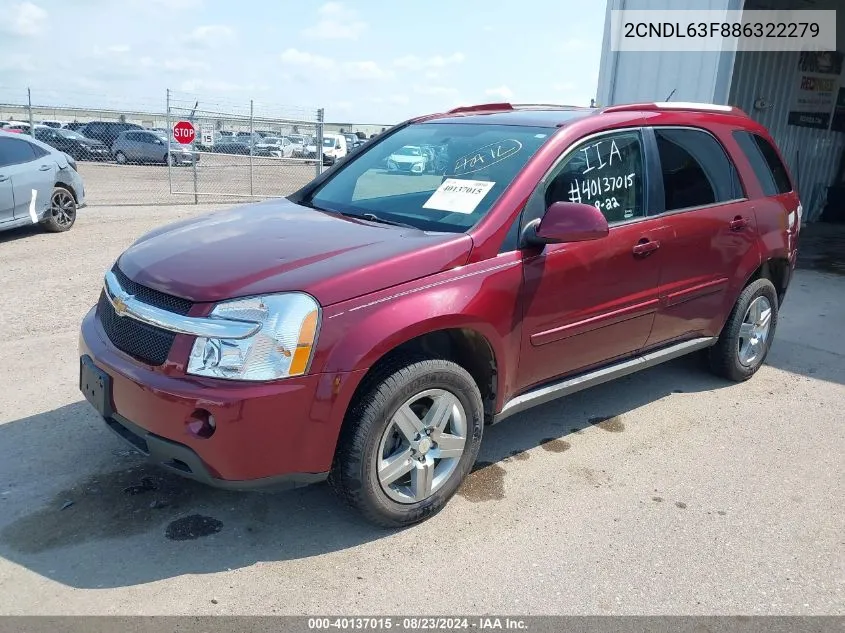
[145, 146]
[38, 184]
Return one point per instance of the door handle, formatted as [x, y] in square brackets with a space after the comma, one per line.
[738, 223]
[646, 247]
[44, 168]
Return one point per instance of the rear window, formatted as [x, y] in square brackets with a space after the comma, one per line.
[696, 169]
[767, 165]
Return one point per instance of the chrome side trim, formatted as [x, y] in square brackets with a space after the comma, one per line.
[126, 305]
[568, 386]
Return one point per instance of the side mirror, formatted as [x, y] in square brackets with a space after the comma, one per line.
[567, 222]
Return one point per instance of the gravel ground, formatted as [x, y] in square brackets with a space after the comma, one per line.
[666, 492]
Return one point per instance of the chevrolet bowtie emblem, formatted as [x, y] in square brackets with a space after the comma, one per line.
[119, 304]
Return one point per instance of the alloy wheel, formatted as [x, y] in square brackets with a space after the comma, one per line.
[63, 207]
[421, 446]
[754, 331]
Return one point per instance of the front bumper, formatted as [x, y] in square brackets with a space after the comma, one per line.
[267, 435]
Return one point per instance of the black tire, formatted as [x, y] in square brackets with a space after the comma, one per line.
[724, 356]
[353, 476]
[120, 158]
[62, 215]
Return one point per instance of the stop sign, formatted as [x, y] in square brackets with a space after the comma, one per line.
[184, 132]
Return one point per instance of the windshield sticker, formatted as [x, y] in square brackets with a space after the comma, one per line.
[486, 156]
[458, 196]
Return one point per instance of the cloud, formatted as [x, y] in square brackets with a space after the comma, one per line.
[179, 65]
[296, 57]
[364, 70]
[336, 22]
[211, 86]
[25, 19]
[502, 91]
[118, 48]
[566, 86]
[209, 36]
[399, 99]
[358, 70]
[412, 62]
[435, 90]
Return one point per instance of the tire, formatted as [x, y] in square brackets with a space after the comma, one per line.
[753, 318]
[62, 211]
[370, 433]
[120, 158]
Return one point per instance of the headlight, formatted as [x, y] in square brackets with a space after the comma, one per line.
[280, 349]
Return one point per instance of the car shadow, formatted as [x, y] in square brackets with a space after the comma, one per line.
[128, 522]
[27, 230]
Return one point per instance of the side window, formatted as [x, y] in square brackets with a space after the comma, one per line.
[15, 152]
[39, 151]
[606, 172]
[758, 163]
[696, 170]
[777, 167]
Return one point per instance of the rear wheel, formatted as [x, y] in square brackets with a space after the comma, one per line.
[409, 441]
[62, 213]
[747, 336]
[120, 157]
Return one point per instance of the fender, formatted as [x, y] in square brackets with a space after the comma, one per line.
[483, 297]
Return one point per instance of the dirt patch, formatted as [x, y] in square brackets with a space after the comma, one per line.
[192, 527]
[554, 445]
[611, 424]
[108, 505]
[486, 482]
[520, 456]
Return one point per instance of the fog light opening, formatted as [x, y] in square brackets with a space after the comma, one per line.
[201, 424]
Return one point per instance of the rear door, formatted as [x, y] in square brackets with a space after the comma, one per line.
[586, 304]
[712, 234]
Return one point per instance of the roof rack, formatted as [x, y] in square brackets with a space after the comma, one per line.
[674, 105]
[482, 107]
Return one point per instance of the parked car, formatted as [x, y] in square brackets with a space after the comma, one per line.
[275, 146]
[107, 131]
[298, 145]
[38, 184]
[410, 159]
[232, 147]
[367, 327]
[334, 148]
[74, 125]
[51, 123]
[73, 143]
[352, 141]
[151, 147]
[16, 126]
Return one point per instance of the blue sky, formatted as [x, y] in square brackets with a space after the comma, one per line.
[364, 61]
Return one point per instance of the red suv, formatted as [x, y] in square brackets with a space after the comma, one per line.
[366, 328]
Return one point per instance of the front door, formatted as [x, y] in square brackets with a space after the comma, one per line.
[32, 173]
[588, 303]
[713, 235]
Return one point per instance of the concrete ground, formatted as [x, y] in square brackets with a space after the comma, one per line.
[669, 491]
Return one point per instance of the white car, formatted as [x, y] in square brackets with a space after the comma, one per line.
[299, 145]
[409, 159]
[334, 147]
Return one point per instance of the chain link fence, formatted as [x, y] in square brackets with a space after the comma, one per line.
[247, 150]
[128, 155]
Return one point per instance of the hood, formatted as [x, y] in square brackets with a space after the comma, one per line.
[90, 142]
[278, 246]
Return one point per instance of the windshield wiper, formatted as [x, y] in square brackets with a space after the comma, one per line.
[372, 217]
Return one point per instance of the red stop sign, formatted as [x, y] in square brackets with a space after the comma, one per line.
[184, 132]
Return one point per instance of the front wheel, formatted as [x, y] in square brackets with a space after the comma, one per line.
[747, 336]
[409, 441]
[120, 157]
[62, 214]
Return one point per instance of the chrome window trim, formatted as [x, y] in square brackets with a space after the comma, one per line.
[126, 305]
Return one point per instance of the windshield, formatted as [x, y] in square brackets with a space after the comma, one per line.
[329, 141]
[465, 168]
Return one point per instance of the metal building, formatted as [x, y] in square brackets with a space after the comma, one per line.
[763, 84]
